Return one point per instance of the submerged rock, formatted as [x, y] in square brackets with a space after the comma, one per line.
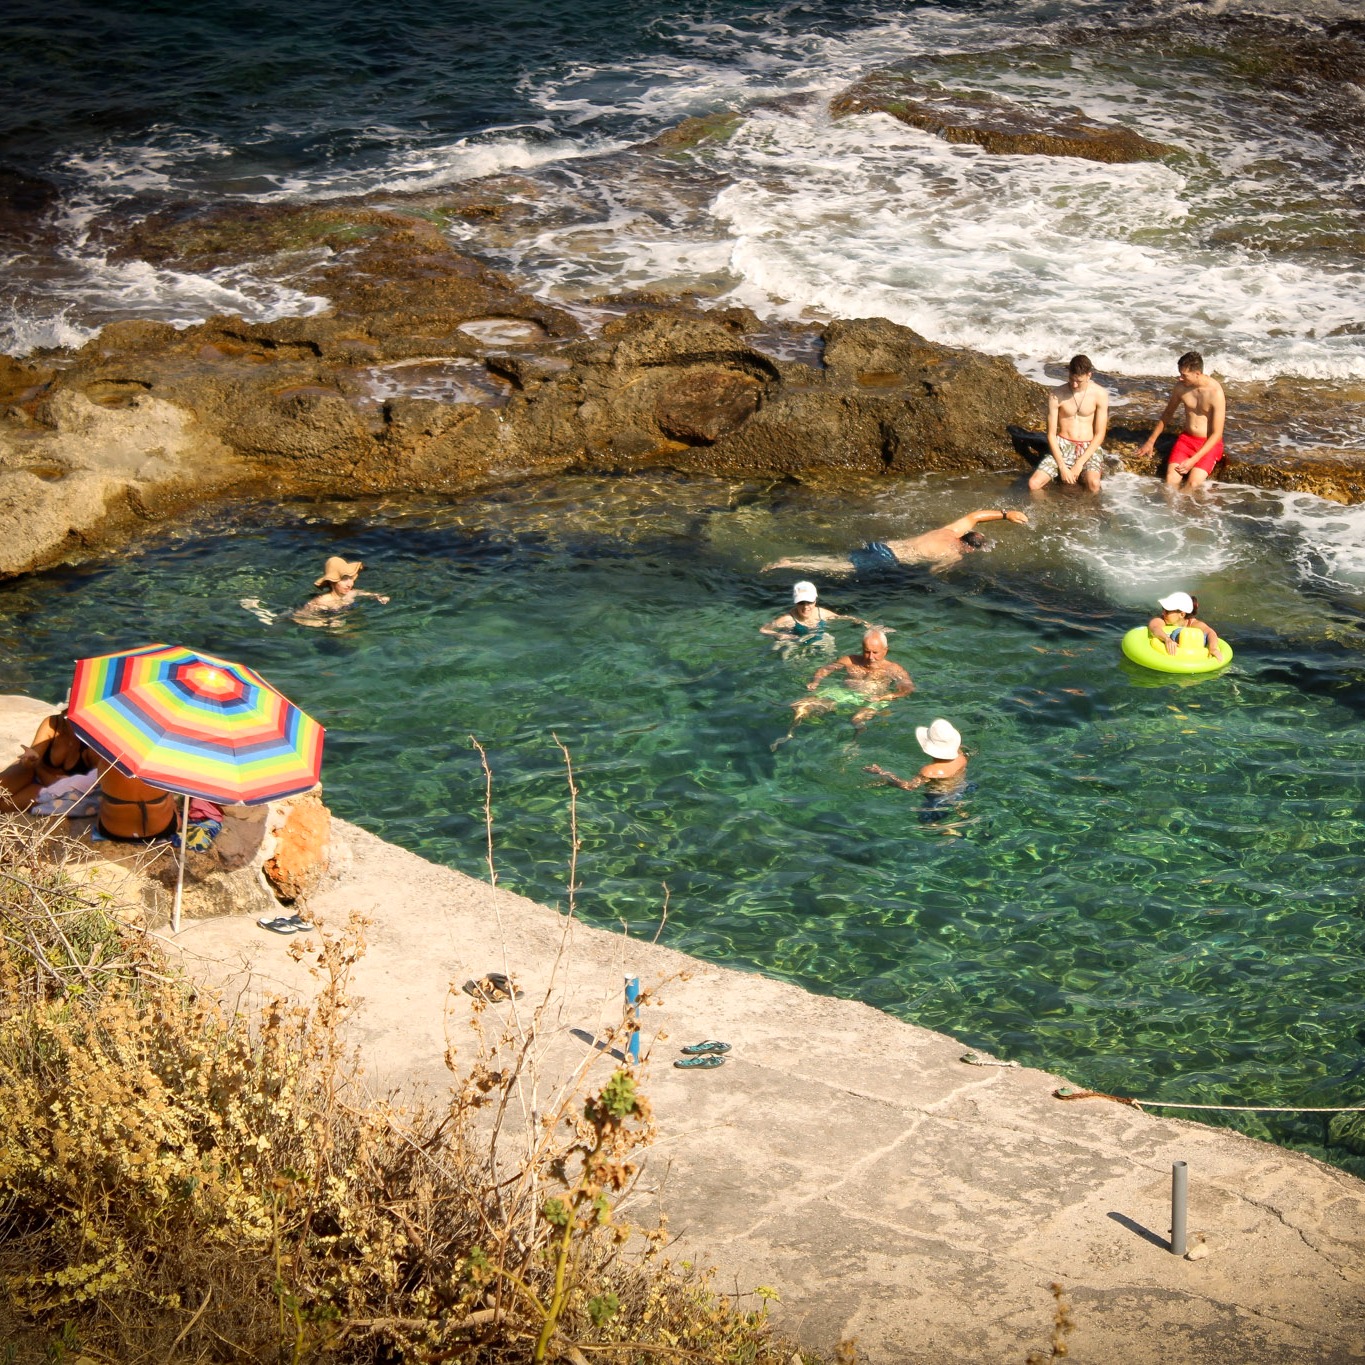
[999, 125]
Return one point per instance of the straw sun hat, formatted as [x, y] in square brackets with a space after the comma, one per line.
[336, 569]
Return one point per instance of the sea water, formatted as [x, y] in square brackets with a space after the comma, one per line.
[1152, 885]
[1244, 242]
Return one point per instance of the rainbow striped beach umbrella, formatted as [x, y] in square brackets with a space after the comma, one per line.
[195, 725]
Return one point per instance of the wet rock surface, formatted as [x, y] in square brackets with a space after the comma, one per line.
[997, 124]
[429, 372]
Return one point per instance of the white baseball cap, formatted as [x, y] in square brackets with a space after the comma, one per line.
[939, 740]
[1177, 601]
[804, 592]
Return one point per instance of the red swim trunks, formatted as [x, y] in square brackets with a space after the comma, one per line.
[1186, 445]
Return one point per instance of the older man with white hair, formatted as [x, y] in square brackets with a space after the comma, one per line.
[871, 682]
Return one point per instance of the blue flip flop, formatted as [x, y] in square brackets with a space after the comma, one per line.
[284, 924]
[707, 1061]
[700, 1049]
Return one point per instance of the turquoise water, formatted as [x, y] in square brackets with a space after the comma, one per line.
[1152, 886]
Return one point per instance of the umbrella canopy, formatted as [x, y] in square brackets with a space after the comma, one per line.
[195, 724]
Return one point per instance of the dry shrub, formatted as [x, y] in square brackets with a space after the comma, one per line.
[179, 1183]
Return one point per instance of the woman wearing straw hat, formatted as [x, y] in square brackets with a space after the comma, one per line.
[339, 589]
[943, 744]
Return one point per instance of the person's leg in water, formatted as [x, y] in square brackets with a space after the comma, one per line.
[831, 564]
[801, 708]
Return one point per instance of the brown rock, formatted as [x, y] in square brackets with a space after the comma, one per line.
[302, 837]
[702, 405]
[996, 124]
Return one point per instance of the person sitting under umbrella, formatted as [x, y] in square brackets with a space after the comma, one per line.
[131, 808]
[57, 752]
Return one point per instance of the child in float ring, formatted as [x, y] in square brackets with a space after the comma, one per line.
[1179, 612]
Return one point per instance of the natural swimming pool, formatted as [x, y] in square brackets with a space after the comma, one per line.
[1154, 886]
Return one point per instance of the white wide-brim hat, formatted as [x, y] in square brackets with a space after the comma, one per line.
[939, 740]
[804, 592]
[1177, 601]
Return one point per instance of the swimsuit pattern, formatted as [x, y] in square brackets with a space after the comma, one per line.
[1072, 451]
[875, 556]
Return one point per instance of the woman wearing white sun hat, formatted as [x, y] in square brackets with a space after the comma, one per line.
[943, 744]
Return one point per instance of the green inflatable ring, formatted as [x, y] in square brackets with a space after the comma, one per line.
[1142, 647]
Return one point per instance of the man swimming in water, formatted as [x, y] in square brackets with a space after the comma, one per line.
[1077, 419]
[872, 682]
[938, 548]
[1200, 446]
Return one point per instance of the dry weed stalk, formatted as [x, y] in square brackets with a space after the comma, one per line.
[181, 1183]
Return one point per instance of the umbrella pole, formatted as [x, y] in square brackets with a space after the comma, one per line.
[180, 876]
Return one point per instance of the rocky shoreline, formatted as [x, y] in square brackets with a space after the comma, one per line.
[430, 372]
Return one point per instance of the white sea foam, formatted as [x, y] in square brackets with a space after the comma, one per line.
[1245, 243]
[1029, 256]
[1331, 539]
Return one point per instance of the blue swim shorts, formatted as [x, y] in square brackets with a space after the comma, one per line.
[874, 557]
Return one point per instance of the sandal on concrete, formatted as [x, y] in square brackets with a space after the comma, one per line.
[708, 1061]
[701, 1049]
[282, 925]
[492, 987]
[301, 925]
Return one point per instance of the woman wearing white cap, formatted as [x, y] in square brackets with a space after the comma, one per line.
[943, 744]
[1179, 612]
[805, 622]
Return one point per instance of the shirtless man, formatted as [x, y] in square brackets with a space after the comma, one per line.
[1077, 419]
[871, 678]
[1200, 446]
[938, 548]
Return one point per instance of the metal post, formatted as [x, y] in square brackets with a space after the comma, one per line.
[633, 1017]
[180, 876]
[1180, 1199]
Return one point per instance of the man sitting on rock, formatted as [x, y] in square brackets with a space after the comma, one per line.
[1077, 419]
[939, 548]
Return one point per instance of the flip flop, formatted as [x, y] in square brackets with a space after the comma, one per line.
[700, 1049]
[301, 925]
[492, 987]
[282, 925]
[708, 1061]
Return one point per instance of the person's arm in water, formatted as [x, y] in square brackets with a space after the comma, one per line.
[360, 592]
[904, 684]
[937, 771]
[780, 625]
[972, 520]
[821, 674]
[827, 615]
[1172, 407]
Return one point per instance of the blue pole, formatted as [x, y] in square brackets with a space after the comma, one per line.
[633, 1017]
